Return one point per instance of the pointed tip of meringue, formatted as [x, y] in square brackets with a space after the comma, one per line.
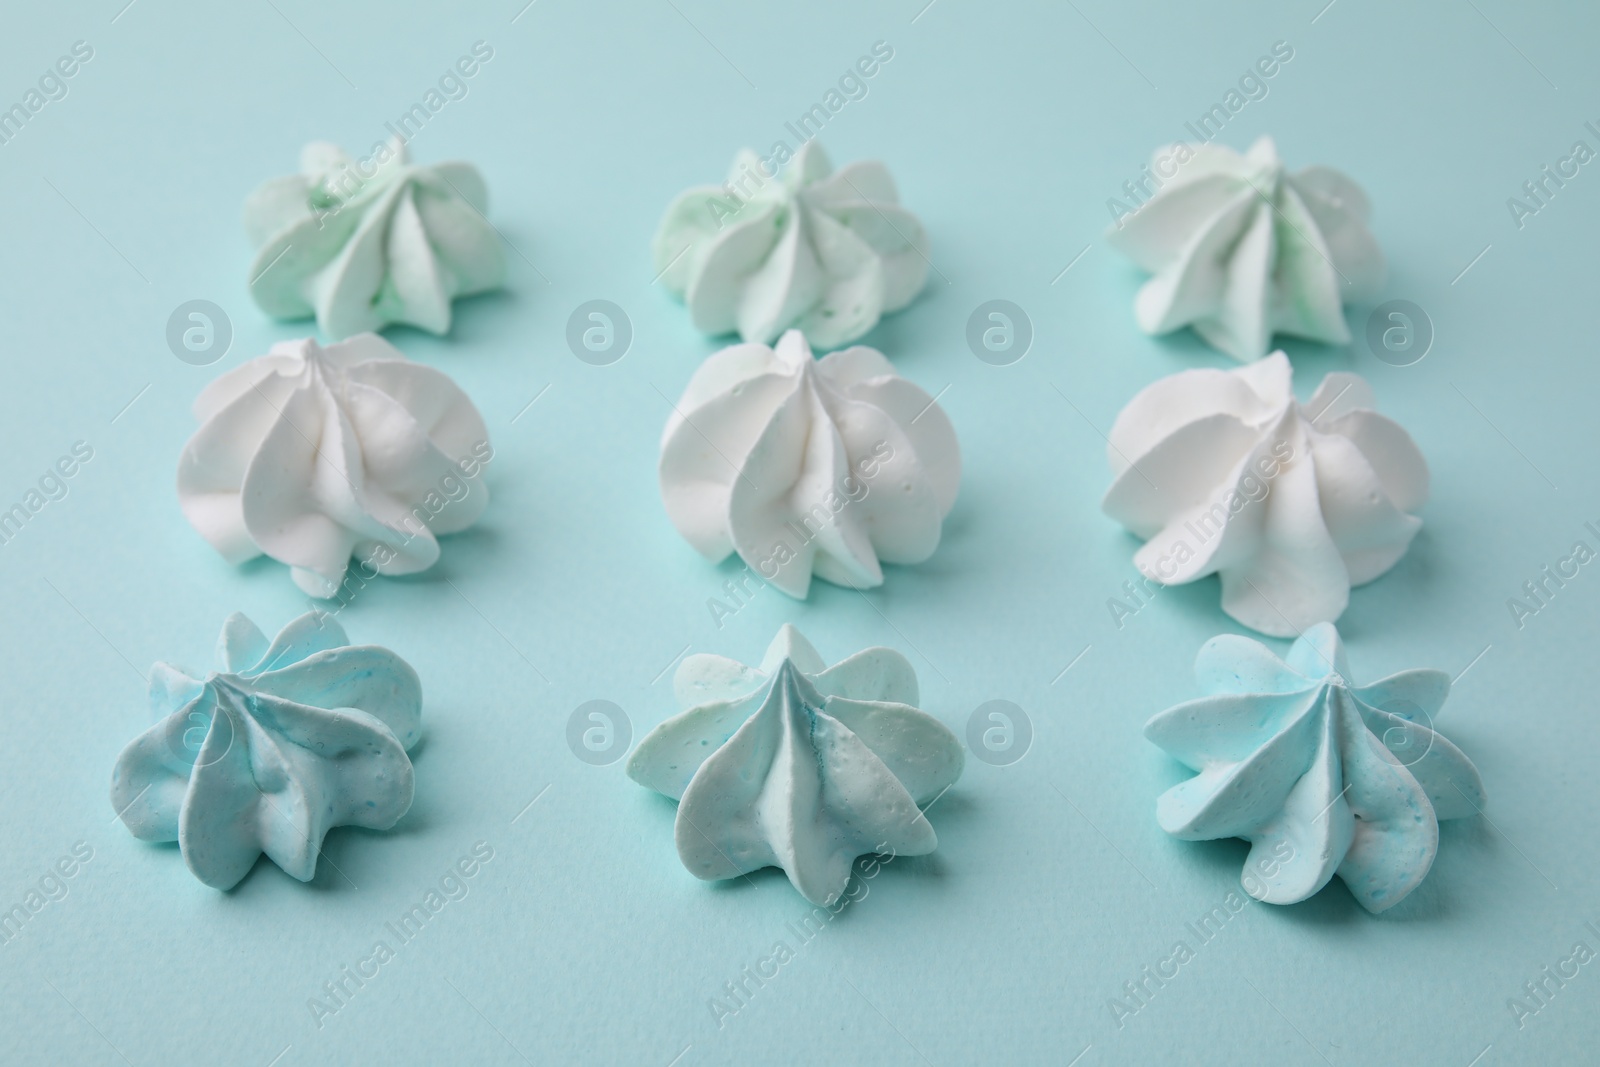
[1264, 149]
[791, 645]
[791, 686]
[785, 643]
[794, 347]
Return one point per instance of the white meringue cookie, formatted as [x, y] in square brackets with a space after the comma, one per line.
[802, 465]
[361, 251]
[798, 765]
[1225, 473]
[827, 253]
[1241, 250]
[311, 455]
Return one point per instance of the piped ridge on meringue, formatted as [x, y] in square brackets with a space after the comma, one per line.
[1224, 472]
[825, 252]
[1240, 249]
[315, 455]
[803, 466]
[1323, 777]
[289, 739]
[797, 765]
[363, 250]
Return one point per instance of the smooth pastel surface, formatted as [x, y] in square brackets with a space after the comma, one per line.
[807, 248]
[1226, 473]
[583, 939]
[797, 765]
[1322, 776]
[314, 456]
[289, 739]
[803, 466]
[362, 244]
[1242, 250]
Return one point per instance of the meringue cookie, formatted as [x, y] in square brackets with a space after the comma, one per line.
[1323, 777]
[312, 454]
[828, 253]
[362, 251]
[798, 765]
[802, 465]
[287, 741]
[1241, 250]
[1224, 473]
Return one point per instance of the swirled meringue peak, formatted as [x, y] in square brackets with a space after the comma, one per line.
[797, 765]
[313, 455]
[362, 250]
[1323, 777]
[826, 252]
[1242, 250]
[1223, 472]
[289, 739]
[805, 466]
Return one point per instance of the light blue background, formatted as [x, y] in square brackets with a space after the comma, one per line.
[1008, 127]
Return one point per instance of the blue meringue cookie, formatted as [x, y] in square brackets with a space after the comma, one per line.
[364, 243]
[1322, 776]
[290, 739]
[797, 765]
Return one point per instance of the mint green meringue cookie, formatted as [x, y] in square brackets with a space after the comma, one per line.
[290, 739]
[362, 244]
[1323, 777]
[810, 249]
[1241, 249]
[797, 765]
